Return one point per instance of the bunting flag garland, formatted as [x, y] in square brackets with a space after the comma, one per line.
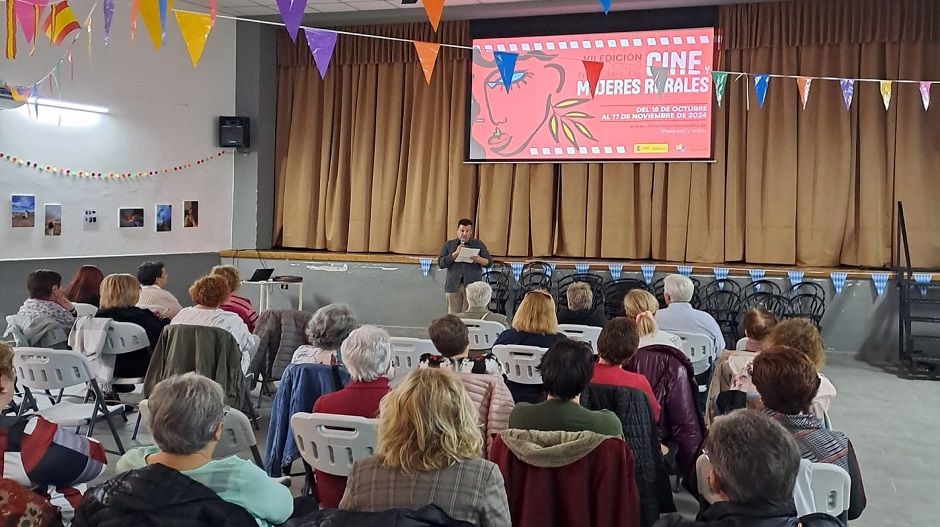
[581, 268]
[925, 94]
[593, 71]
[848, 90]
[27, 16]
[551, 269]
[720, 80]
[804, 84]
[615, 271]
[880, 280]
[150, 12]
[838, 281]
[721, 273]
[605, 5]
[321, 44]
[756, 274]
[22, 162]
[425, 264]
[427, 54]
[660, 76]
[923, 280]
[648, 270]
[516, 270]
[434, 10]
[796, 277]
[684, 270]
[506, 64]
[195, 28]
[292, 12]
[760, 88]
[11, 31]
[886, 93]
[107, 8]
[60, 23]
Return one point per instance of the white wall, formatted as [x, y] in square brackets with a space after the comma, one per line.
[162, 112]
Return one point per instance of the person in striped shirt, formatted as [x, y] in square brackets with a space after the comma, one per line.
[239, 305]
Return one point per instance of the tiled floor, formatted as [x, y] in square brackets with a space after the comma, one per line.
[892, 422]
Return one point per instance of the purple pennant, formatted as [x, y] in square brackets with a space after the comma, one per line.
[321, 44]
[108, 8]
[848, 90]
[292, 12]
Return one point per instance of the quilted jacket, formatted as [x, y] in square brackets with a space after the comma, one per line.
[671, 377]
[639, 431]
[281, 333]
[493, 401]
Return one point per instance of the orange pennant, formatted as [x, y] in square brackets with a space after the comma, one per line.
[135, 10]
[427, 54]
[195, 29]
[150, 12]
[434, 9]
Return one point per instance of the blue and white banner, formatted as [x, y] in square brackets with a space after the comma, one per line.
[756, 274]
[550, 270]
[615, 270]
[880, 280]
[425, 265]
[721, 273]
[923, 279]
[684, 270]
[581, 268]
[648, 270]
[488, 269]
[838, 281]
[516, 270]
[795, 277]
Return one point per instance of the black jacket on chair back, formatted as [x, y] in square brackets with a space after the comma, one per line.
[157, 496]
[729, 514]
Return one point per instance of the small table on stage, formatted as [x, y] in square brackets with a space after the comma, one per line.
[264, 303]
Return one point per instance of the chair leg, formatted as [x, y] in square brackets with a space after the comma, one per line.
[136, 428]
[255, 453]
[100, 404]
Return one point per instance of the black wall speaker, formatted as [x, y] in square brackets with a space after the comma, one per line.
[234, 132]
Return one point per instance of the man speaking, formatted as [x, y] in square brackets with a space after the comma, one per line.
[464, 259]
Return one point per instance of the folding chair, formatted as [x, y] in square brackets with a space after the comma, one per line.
[406, 353]
[520, 362]
[85, 310]
[483, 333]
[48, 369]
[332, 443]
[581, 333]
[125, 337]
[700, 349]
[831, 486]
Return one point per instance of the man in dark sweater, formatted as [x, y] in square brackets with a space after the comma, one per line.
[462, 271]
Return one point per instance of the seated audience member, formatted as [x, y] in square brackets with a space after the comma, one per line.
[84, 286]
[566, 368]
[326, 331]
[152, 277]
[428, 451]
[210, 292]
[49, 460]
[47, 299]
[239, 305]
[754, 465]
[679, 314]
[616, 345]
[642, 306]
[479, 295]
[367, 355]
[185, 421]
[580, 309]
[758, 322]
[119, 296]
[534, 323]
[787, 382]
[481, 376]
[801, 335]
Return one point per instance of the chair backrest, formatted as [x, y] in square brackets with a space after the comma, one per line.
[407, 351]
[237, 435]
[741, 345]
[761, 286]
[615, 291]
[520, 362]
[15, 324]
[49, 369]
[501, 283]
[124, 337]
[332, 443]
[698, 348]
[831, 488]
[596, 282]
[483, 333]
[581, 333]
[85, 310]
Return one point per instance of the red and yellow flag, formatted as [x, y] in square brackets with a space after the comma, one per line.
[60, 23]
[11, 31]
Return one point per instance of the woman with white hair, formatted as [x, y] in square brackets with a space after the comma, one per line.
[155, 483]
[326, 332]
[679, 315]
[479, 295]
[367, 354]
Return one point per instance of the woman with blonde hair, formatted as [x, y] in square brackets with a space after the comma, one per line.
[641, 306]
[534, 323]
[428, 451]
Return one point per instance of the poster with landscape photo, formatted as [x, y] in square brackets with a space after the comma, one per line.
[24, 210]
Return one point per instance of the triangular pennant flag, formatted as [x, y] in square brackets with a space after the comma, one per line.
[18, 94]
[721, 273]
[605, 5]
[581, 268]
[848, 90]
[427, 54]
[195, 28]
[321, 44]
[516, 270]
[551, 269]
[11, 31]
[684, 270]
[760, 88]
[925, 94]
[804, 84]
[593, 71]
[720, 80]
[838, 281]
[27, 16]
[434, 10]
[60, 23]
[425, 264]
[795, 277]
[292, 12]
[150, 12]
[923, 280]
[108, 8]
[660, 75]
[615, 271]
[161, 9]
[506, 64]
[135, 11]
[213, 10]
[648, 270]
[886, 93]
[880, 280]
[756, 274]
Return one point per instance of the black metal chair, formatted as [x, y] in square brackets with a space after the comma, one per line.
[811, 288]
[596, 282]
[614, 293]
[761, 286]
[776, 304]
[724, 305]
[721, 284]
[806, 305]
[658, 289]
[501, 283]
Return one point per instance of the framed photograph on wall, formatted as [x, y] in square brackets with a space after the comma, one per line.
[190, 214]
[53, 222]
[164, 218]
[131, 217]
[24, 210]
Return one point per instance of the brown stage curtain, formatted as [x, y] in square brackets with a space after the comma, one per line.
[370, 160]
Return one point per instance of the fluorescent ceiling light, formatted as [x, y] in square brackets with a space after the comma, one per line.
[55, 103]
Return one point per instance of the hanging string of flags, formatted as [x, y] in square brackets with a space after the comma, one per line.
[82, 173]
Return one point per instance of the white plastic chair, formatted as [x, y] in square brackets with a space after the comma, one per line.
[483, 333]
[406, 353]
[741, 345]
[332, 443]
[520, 362]
[581, 333]
[237, 435]
[125, 337]
[831, 486]
[698, 348]
[48, 369]
[85, 310]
